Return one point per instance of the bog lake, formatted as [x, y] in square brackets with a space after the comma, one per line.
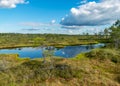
[37, 52]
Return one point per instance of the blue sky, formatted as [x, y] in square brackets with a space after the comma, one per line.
[54, 16]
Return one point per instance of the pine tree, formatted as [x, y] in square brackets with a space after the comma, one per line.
[115, 33]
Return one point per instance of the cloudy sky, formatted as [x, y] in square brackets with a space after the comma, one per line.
[58, 16]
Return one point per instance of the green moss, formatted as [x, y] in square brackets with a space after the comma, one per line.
[103, 54]
[80, 56]
[12, 57]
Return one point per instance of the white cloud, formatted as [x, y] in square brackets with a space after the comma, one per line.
[31, 29]
[72, 27]
[11, 3]
[70, 31]
[83, 1]
[93, 13]
[39, 24]
[33, 24]
[53, 21]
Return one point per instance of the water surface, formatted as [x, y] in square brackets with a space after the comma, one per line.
[36, 52]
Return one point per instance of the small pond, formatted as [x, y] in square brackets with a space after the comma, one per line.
[36, 52]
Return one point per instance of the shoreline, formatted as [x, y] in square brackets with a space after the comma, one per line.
[55, 45]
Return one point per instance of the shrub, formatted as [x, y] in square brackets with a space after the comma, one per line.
[103, 54]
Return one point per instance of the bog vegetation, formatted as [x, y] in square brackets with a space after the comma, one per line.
[99, 67]
[9, 40]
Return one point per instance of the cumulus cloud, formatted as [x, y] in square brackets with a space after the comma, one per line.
[11, 3]
[93, 13]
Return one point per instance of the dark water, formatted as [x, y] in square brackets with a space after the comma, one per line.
[66, 52]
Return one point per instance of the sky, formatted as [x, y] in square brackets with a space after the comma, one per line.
[57, 16]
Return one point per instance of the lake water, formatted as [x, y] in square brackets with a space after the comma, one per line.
[36, 52]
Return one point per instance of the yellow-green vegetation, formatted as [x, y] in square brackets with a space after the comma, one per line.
[104, 54]
[12, 40]
[100, 67]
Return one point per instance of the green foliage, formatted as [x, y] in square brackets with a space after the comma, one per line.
[103, 54]
[80, 56]
[39, 40]
[115, 33]
[106, 33]
[11, 40]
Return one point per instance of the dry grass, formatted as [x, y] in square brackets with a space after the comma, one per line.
[80, 71]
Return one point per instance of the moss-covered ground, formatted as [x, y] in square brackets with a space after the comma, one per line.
[100, 67]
